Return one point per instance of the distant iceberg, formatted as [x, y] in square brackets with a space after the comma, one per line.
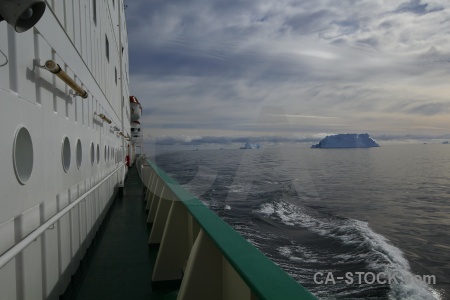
[252, 146]
[347, 140]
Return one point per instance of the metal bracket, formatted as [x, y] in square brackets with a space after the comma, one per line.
[37, 63]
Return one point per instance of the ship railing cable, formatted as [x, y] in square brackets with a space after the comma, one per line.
[25, 242]
[6, 59]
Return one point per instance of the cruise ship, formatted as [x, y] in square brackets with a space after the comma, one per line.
[70, 136]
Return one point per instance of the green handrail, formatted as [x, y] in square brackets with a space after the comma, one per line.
[264, 278]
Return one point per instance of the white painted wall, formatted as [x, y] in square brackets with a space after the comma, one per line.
[34, 98]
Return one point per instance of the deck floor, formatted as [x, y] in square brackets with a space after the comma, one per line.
[120, 264]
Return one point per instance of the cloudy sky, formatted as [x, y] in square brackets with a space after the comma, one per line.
[215, 69]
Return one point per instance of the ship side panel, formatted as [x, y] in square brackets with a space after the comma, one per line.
[8, 281]
[58, 9]
[21, 70]
[34, 98]
[77, 25]
[4, 60]
[69, 20]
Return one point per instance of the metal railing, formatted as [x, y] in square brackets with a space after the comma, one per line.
[210, 258]
[25, 242]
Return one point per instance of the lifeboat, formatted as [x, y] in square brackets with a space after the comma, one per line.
[136, 109]
[135, 126]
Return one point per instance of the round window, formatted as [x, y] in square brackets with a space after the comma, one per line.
[98, 153]
[23, 155]
[92, 154]
[79, 154]
[65, 154]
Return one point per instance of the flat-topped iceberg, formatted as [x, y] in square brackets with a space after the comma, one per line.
[347, 140]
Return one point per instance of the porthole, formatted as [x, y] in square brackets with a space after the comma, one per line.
[79, 154]
[92, 154]
[65, 154]
[23, 155]
[98, 153]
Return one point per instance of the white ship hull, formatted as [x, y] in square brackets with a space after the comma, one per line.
[65, 148]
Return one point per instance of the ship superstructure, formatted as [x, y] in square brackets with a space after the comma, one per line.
[136, 130]
[63, 151]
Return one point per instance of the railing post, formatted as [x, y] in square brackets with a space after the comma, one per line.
[153, 205]
[203, 277]
[160, 220]
[174, 249]
[233, 285]
[193, 230]
[152, 191]
[149, 184]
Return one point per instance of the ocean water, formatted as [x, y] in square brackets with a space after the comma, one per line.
[382, 212]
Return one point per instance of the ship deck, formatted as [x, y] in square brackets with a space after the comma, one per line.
[119, 263]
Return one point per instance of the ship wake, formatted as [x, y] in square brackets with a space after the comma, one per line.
[343, 246]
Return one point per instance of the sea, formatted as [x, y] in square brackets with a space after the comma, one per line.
[345, 223]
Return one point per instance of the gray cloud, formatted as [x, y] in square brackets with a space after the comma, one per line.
[413, 6]
[202, 67]
[430, 109]
[416, 7]
[309, 22]
[225, 140]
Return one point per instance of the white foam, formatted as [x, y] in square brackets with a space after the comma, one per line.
[356, 233]
[271, 182]
[237, 188]
[285, 250]
[299, 253]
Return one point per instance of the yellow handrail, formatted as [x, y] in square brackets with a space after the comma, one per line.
[53, 67]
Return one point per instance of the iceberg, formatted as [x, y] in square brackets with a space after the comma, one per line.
[347, 140]
[252, 146]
